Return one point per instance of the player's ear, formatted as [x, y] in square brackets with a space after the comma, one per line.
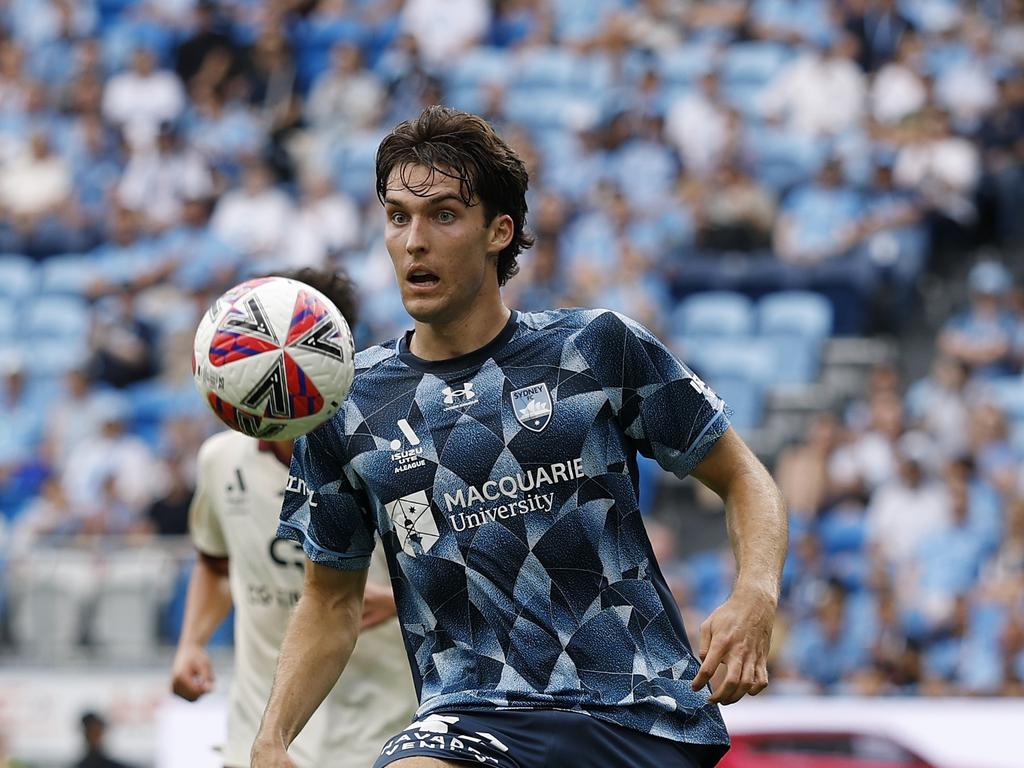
[502, 230]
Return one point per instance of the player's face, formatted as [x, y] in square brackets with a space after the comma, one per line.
[443, 251]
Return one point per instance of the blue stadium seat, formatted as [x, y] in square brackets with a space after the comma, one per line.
[1008, 393]
[479, 66]
[797, 358]
[714, 313]
[745, 399]
[54, 357]
[18, 275]
[716, 358]
[685, 64]
[753, 63]
[71, 273]
[551, 68]
[56, 317]
[801, 313]
[8, 318]
[542, 109]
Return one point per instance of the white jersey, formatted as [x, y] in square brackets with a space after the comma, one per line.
[234, 514]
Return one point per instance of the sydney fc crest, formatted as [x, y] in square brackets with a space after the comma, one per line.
[532, 406]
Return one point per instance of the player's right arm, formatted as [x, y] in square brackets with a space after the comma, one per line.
[208, 601]
[207, 604]
[316, 648]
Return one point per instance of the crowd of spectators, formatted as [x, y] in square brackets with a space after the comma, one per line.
[152, 153]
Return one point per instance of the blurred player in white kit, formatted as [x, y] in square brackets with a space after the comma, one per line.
[233, 520]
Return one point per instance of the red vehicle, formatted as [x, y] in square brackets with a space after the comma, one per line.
[824, 749]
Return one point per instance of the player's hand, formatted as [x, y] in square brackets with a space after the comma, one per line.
[192, 672]
[378, 605]
[269, 754]
[738, 635]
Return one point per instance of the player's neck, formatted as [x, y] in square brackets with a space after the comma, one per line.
[462, 335]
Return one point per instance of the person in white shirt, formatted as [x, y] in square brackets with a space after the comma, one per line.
[233, 520]
[819, 94]
[698, 124]
[443, 28]
[139, 100]
[897, 90]
[254, 218]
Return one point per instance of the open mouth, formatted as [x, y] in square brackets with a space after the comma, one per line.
[423, 277]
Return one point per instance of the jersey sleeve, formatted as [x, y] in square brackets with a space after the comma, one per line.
[203, 518]
[669, 414]
[322, 509]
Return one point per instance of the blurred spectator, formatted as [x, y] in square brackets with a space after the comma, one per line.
[937, 404]
[983, 336]
[802, 469]
[76, 416]
[94, 731]
[158, 179]
[444, 28]
[821, 92]
[192, 252]
[35, 184]
[346, 99]
[698, 125]
[905, 510]
[879, 28]
[223, 130]
[115, 463]
[945, 168]
[821, 649]
[140, 99]
[209, 52]
[49, 514]
[254, 218]
[819, 220]
[736, 213]
[327, 218]
[897, 89]
[123, 345]
[168, 514]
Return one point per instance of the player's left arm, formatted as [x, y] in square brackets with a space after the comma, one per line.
[738, 633]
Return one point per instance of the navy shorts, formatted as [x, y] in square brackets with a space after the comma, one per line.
[540, 739]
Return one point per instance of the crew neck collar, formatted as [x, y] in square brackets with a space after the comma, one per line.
[461, 362]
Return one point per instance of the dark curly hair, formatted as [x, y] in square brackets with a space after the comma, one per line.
[336, 285]
[464, 147]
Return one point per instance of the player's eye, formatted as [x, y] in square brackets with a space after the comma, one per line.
[399, 218]
[445, 217]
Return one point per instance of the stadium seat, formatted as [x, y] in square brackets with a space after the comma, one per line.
[71, 273]
[553, 68]
[54, 357]
[800, 313]
[18, 275]
[753, 63]
[478, 67]
[744, 398]
[49, 317]
[1008, 393]
[797, 358]
[716, 358]
[8, 318]
[685, 64]
[714, 313]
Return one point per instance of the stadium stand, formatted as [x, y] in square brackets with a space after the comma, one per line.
[789, 191]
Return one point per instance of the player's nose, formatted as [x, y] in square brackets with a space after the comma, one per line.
[416, 237]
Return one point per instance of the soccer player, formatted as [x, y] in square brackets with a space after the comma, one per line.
[494, 452]
[233, 521]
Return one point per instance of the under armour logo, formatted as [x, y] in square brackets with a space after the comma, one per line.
[466, 393]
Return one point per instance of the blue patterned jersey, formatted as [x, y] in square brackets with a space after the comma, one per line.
[503, 485]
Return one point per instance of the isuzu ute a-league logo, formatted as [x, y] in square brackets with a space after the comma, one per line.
[413, 522]
[532, 406]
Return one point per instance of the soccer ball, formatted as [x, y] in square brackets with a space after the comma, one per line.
[273, 358]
